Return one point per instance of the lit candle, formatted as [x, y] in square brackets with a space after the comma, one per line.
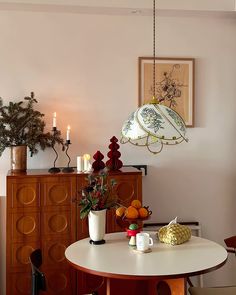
[86, 156]
[54, 120]
[68, 133]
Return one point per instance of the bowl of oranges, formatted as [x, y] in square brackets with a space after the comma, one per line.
[134, 213]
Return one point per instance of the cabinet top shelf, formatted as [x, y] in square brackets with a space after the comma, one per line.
[44, 172]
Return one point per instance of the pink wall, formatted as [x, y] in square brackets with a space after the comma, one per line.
[85, 68]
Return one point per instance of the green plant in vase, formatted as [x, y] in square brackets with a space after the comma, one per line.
[96, 197]
[23, 126]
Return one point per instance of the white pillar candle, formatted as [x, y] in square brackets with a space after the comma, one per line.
[80, 166]
[68, 133]
[86, 158]
[85, 164]
[54, 120]
[89, 166]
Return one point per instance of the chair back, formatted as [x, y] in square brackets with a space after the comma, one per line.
[230, 290]
[38, 282]
[231, 244]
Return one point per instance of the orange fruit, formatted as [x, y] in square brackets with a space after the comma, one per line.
[131, 212]
[136, 204]
[120, 211]
[143, 212]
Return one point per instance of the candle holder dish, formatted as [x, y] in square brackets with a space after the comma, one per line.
[68, 169]
[131, 234]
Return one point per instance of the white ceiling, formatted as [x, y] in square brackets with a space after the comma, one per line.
[138, 7]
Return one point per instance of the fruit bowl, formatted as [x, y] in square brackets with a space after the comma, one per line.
[124, 222]
[136, 220]
[135, 213]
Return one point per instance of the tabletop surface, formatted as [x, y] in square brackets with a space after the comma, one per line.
[117, 259]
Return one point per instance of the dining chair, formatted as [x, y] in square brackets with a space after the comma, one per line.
[38, 281]
[95, 292]
[228, 290]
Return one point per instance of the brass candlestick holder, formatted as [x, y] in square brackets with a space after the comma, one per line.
[54, 169]
[68, 169]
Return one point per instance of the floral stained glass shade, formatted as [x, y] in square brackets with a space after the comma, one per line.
[154, 125]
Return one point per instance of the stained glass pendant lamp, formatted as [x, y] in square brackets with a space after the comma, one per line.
[153, 124]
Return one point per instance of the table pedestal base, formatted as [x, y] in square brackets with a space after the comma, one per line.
[167, 287]
[108, 286]
[88, 283]
[147, 287]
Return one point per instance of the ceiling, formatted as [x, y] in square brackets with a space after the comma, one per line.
[135, 7]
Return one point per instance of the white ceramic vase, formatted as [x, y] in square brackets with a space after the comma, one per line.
[97, 225]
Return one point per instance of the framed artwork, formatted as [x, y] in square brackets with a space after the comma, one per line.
[174, 85]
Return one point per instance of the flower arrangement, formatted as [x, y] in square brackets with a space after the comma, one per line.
[98, 194]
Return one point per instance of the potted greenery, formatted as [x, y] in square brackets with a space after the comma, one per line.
[22, 126]
[96, 197]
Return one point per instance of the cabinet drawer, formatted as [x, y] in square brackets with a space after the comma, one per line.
[57, 194]
[24, 195]
[25, 226]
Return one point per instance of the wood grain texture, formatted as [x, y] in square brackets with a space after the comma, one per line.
[41, 214]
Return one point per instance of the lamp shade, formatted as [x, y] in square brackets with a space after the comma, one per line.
[153, 125]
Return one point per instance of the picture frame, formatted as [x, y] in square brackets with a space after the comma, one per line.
[174, 85]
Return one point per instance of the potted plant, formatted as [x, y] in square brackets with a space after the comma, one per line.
[96, 197]
[22, 126]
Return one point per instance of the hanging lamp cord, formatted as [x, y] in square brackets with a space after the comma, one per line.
[154, 49]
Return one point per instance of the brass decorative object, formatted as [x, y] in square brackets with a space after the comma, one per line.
[19, 158]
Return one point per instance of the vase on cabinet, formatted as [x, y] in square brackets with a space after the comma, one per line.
[19, 158]
[97, 226]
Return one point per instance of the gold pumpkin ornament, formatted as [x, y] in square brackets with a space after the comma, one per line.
[174, 234]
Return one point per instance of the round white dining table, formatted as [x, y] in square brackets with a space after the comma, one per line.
[193, 257]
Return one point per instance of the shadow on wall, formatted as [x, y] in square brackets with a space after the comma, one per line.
[2, 244]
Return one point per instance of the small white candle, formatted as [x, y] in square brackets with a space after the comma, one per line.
[54, 120]
[80, 165]
[86, 158]
[68, 133]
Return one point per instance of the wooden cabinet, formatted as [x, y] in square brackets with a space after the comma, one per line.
[41, 214]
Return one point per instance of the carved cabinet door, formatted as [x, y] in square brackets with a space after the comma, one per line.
[40, 214]
[23, 233]
[58, 231]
